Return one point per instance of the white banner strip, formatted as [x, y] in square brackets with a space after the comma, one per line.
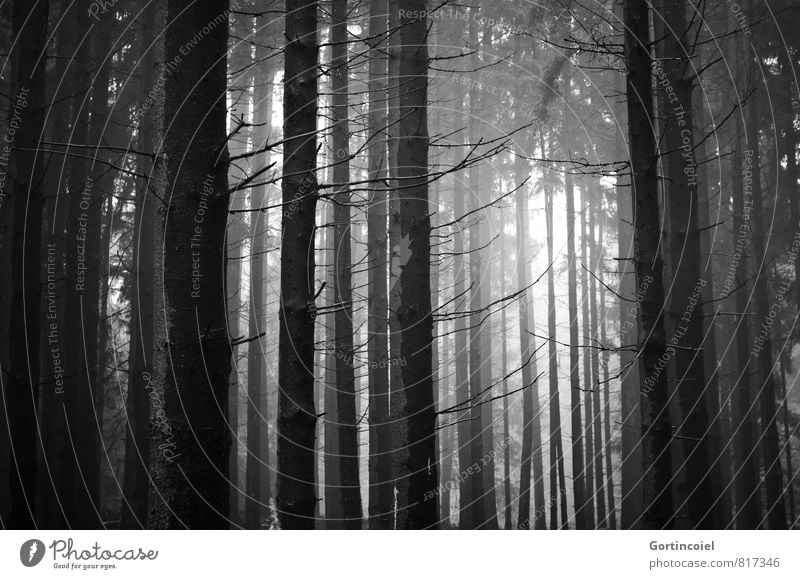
[401, 555]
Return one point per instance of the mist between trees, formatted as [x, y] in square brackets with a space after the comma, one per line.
[360, 264]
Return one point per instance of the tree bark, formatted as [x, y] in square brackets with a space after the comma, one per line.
[140, 365]
[776, 508]
[347, 428]
[588, 382]
[684, 317]
[190, 434]
[22, 387]
[578, 468]
[380, 487]
[296, 415]
[597, 426]
[648, 264]
[414, 457]
[558, 487]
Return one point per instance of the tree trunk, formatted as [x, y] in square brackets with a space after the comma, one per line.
[477, 371]
[347, 428]
[381, 494]
[744, 411]
[787, 440]
[762, 351]
[296, 414]
[718, 441]
[21, 389]
[558, 487]
[51, 412]
[412, 397]
[82, 297]
[462, 419]
[578, 469]
[588, 382]
[193, 353]
[648, 264]
[684, 317]
[612, 508]
[140, 366]
[531, 422]
[597, 426]
[632, 498]
[508, 522]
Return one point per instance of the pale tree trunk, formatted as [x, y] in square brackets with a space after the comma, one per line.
[466, 514]
[588, 383]
[236, 241]
[258, 477]
[612, 509]
[531, 457]
[578, 469]
[558, 490]
[483, 488]
[508, 522]
[597, 426]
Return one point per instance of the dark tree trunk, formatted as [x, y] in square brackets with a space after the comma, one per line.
[103, 132]
[21, 387]
[296, 414]
[190, 434]
[762, 351]
[719, 418]
[380, 487]
[140, 365]
[744, 405]
[347, 429]
[51, 412]
[656, 428]
[684, 317]
[81, 290]
[632, 499]
[414, 457]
